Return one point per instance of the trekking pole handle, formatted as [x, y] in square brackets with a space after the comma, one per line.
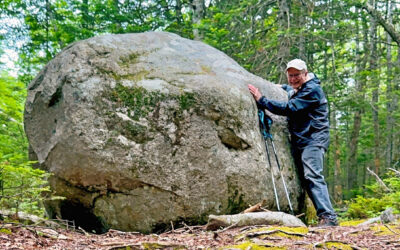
[265, 123]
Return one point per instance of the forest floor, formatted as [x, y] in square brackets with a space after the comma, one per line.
[372, 236]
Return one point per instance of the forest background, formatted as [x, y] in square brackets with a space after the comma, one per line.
[352, 46]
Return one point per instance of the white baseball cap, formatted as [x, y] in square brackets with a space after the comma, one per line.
[297, 64]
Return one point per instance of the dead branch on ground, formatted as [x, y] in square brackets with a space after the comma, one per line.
[379, 180]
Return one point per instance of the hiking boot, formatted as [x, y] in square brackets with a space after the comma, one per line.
[327, 222]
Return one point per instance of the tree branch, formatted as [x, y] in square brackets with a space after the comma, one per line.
[387, 26]
[379, 180]
[395, 171]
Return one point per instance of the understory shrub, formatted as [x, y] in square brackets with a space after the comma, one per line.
[376, 200]
[21, 188]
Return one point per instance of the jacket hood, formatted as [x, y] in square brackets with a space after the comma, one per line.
[313, 78]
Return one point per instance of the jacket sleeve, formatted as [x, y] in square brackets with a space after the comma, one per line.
[286, 87]
[289, 90]
[276, 107]
[304, 99]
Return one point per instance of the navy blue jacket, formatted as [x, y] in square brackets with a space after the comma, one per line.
[307, 113]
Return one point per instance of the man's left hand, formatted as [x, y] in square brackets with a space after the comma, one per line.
[255, 92]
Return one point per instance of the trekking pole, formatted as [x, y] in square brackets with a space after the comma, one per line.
[268, 135]
[280, 172]
[265, 135]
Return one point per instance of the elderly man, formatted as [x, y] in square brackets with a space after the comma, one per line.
[307, 113]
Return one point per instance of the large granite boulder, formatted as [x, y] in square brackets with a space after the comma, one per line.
[141, 130]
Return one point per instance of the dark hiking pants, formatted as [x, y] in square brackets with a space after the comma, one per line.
[309, 162]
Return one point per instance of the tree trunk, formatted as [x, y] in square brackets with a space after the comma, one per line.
[337, 192]
[178, 11]
[198, 9]
[284, 46]
[390, 121]
[359, 110]
[116, 21]
[48, 14]
[375, 93]
[85, 14]
[301, 42]
[395, 106]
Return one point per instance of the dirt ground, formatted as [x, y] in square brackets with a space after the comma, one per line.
[373, 236]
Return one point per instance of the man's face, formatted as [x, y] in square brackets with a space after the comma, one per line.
[296, 77]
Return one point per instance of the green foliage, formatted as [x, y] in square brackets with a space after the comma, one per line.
[13, 144]
[362, 207]
[20, 184]
[376, 200]
[21, 188]
[245, 30]
[46, 27]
